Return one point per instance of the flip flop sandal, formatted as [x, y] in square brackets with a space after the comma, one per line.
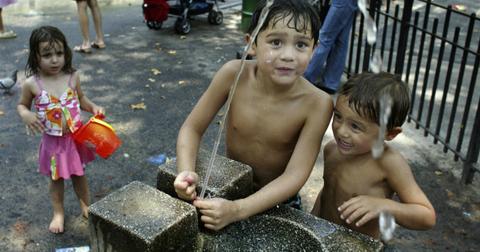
[98, 46]
[7, 35]
[79, 49]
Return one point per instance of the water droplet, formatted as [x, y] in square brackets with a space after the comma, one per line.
[269, 57]
[387, 225]
[362, 6]
[371, 30]
[376, 62]
[385, 111]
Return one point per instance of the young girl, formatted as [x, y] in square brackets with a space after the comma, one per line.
[54, 87]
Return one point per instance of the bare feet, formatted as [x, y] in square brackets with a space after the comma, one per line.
[56, 226]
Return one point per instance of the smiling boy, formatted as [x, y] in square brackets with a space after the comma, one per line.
[358, 187]
[276, 121]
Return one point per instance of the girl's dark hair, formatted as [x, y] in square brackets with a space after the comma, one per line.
[52, 35]
[300, 12]
[364, 91]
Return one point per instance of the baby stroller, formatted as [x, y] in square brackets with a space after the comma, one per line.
[157, 11]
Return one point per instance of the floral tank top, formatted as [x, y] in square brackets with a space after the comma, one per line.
[55, 111]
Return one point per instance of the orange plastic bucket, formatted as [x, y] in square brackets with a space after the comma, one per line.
[100, 134]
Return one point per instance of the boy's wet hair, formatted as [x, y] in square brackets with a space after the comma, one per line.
[364, 91]
[300, 12]
[52, 35]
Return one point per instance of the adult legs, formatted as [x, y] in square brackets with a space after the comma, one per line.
[2, 29]
[80, 185]
[83, 20]
[338, 54]
[56, 194]
[336, 22]
[97, 21]
[328, 34]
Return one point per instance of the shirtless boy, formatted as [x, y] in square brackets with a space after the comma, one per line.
[276, 121]
[357, 186]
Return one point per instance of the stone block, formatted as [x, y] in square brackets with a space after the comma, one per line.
[138, 217]
[286, 229]
[229, 179]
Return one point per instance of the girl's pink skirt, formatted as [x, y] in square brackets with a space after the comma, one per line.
[62, 157]
[4, 3]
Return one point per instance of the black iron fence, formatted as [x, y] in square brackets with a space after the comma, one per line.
[436, 50]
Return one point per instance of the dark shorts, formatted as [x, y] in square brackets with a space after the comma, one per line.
[295, 202]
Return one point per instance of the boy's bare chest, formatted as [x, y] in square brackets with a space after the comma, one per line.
[349, 179]
[265, 121]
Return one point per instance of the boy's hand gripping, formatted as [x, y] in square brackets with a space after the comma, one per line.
[361, 209]
[217, 213]
[185, 185]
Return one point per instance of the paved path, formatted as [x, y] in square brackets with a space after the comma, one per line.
[122, 75]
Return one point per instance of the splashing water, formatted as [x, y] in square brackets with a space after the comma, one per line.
[263, 16]
[362, 5]
[385, 111]
[387, 225]
[371, 30]
[376, 60]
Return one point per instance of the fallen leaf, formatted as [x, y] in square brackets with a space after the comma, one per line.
[151, 80]
[140, 105]
[450, 194]
[20, 226]
[172, 52]
[156, 71]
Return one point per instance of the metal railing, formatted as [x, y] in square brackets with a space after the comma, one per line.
[436, 50]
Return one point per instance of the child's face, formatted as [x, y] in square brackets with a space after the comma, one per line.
[282, 52]
[51, 58]
[354, 134]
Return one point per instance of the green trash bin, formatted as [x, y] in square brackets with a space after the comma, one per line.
[248, 6]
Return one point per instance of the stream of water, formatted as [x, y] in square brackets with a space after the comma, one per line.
[263, 16]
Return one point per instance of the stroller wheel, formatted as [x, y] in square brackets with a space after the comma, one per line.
[215, 17]
[156, 25]
[182, 26]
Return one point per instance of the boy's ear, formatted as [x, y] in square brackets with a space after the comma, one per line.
[391, 134]
[252, 49]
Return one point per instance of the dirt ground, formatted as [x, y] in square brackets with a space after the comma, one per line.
[122, 75]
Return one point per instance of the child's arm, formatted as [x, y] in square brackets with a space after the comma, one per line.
[414, 210]
[329, 147]
[85, 103]
[30, 118]
[195, 125]
[217, 213]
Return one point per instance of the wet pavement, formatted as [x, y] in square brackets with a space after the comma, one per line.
[168, 73]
